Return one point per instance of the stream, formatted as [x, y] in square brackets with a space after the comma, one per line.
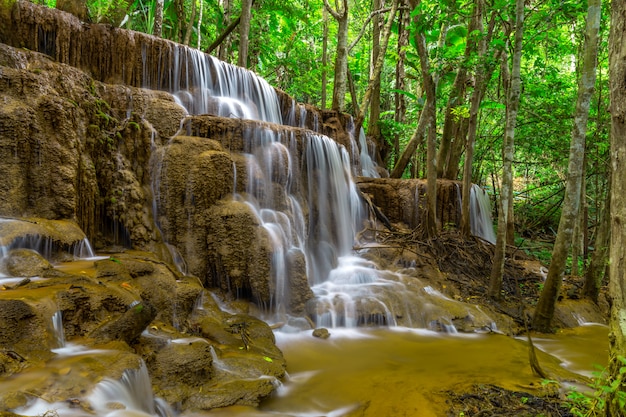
[383, 371]
[397, 371]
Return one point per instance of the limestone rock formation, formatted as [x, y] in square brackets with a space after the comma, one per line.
[133, 309]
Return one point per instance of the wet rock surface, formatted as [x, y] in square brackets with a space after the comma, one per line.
[135, 310]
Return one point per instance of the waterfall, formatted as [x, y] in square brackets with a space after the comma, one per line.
[368, 166]
[83, 249]
[203, 84]
[57, 326]
[335, 210]
[133, 391]
[49, 238]
[300, 188]
[481, 222]
[338, 212]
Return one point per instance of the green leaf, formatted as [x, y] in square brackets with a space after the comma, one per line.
[486, 104]
[268, 359]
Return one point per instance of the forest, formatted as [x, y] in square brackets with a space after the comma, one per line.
[522, 97]
[327, 55]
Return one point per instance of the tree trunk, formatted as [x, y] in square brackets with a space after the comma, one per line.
[324, 58]
[617, 260]
[512, 105]
[157, 29]
[579, 226]
[414, 142]
[190, 24]
[597, 267]
[469, 158]
[221, 40]
[472, 127]
[244, 32]
[180, 17]
[373, 129]
[482, 80]
[225, 42]
[378, 67]
[399, 99]
[456, 150]
[430, 110]
[341, 58]
[456, 99]
[200, 23]
[569, 212]
[510, 221]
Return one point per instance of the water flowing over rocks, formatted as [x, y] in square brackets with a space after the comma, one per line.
[206, 223]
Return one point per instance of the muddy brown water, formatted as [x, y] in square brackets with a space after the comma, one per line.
[407, 372]
[400, 372]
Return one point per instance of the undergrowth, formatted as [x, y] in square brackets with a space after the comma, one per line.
[604, 387]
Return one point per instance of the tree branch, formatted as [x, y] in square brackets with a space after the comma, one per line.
[367, 22]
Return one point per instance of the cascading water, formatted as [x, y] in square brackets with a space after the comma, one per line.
[368, 166]
[480, 209]
[40, 238]
[57, 326]
[133, 392]
[204, 85]
[303, 196]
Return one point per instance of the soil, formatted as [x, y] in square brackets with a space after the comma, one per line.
[492, 401]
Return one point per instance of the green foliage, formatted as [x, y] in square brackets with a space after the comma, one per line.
[286, 48]
[135, 126]
[142, 16]
[108, 11]
[603, 386]
[460, 112]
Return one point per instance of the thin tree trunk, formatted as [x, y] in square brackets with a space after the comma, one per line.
[414, 142]
[569, 212]
[456, 150]
[373, 129]
[472, 127]
[579, 225]
[225, 42]
[341, 57]
[378, 67]
[455, 100]
[220, 39]
[190, 24]
[200, 23]
[399, 99]
[617, 270]
[324, 57]
[157, 29]
[352, 89]
[597, 267]
[510, 220]
[430, 111]
[180, 17]
[512, 105]
[244, 32]
[482, 80]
